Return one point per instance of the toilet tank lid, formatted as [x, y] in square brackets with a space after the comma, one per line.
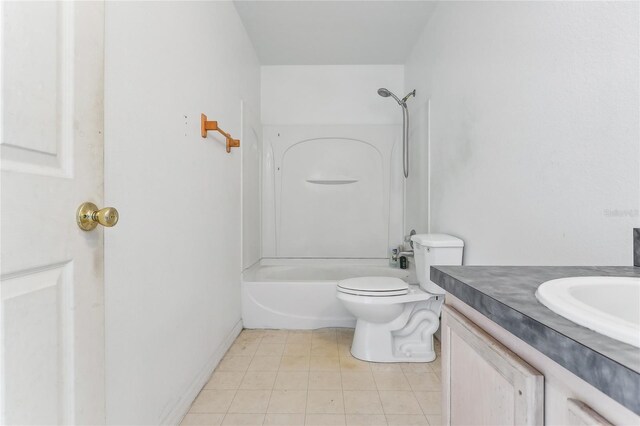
[437, 240]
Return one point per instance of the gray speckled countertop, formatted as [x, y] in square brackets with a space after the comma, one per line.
[506, 295]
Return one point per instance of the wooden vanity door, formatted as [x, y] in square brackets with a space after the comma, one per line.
[484, 383]
[580, 414]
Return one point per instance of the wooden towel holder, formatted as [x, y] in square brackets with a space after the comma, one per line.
[205, 126]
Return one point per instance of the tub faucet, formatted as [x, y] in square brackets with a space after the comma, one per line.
[396, 254]
[405, 253]
[407, 239]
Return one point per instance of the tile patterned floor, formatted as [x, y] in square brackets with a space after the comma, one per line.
[279, 377]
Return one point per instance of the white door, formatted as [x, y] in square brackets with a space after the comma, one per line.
[51, 148]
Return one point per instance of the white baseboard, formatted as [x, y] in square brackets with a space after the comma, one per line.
[180, 409]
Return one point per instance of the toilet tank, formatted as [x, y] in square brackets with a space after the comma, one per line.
[433, 250]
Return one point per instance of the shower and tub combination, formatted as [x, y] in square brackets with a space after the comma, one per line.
[332, 210]
[332, 206]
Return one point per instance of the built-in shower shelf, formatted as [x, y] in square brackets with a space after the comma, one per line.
[332, 181]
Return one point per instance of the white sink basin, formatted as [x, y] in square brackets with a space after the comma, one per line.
[607, 305]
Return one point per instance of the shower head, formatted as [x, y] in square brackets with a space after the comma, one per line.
[385, 93]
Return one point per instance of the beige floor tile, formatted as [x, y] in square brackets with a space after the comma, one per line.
[258, 380]
[324, 364]
[434, 420]
[213, 401]
[288, 401]
[353, 364]
[416, 367]
[325, 420]
[436, 365]
[386, 367]
[430, 402]
[325, 380]
[325, 402]
[390, 381]
[362, 402]
[324, 337]
[366, 420]
[326, 349]
[273, 419]
[326, 330]
[358, 380]
[297, 349]
[234, 363]
[243, 420]
[202, 419]
[249, 334]
[225, 380]
[399, 402]
[406, 420]
[324, 343]
[243, 348]
[424, 382]
[345, 339]
[299, 337]
[292, 380]
[270, 349]
[264, 363]
[250, 402]
[294, 363]
[344, 351]
[275, 336]
[275, 372]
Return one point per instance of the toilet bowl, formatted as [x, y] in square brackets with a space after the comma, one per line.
[396, 321]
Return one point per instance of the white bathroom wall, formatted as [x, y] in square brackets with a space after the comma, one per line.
[330, 94]
[173, 261]
[534, 130]
[327, 116]
[251, 149]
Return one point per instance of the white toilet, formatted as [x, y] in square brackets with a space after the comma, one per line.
[396, 321]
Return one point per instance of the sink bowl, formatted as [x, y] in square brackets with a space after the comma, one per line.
[607, 305]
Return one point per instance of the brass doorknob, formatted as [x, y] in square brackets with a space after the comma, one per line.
[88, 216]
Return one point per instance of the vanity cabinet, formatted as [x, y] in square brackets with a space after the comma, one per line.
[484, 383]
[491, 377]
[580, 414]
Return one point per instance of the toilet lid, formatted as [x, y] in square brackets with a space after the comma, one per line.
[374, 286]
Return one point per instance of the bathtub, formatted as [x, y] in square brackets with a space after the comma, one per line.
[301, 294]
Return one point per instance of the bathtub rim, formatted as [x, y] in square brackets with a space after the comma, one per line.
[249, 274]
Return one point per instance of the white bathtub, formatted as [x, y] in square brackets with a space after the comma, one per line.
[301, 294]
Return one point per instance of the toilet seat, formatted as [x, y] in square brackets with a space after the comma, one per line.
[414, 294]
[374, 286]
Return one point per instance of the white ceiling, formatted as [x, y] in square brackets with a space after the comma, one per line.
[312, 32]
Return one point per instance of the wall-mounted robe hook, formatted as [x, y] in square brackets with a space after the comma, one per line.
[213, 125]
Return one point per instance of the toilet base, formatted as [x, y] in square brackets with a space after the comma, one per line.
[411, 343]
